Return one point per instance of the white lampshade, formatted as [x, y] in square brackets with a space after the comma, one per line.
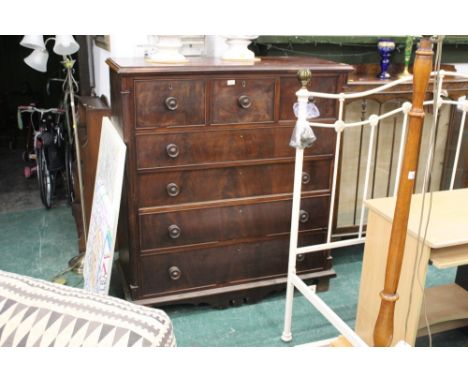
[65, 44]
[38, 60]
[33, 42]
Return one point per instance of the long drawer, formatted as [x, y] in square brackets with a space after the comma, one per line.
[208, 224]
[205, 147]
[176, 187]
[220, 266]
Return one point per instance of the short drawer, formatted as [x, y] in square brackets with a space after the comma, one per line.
[242, 100]
[160, 103]
[216, 224]
[188, 186]
[323, 83]
[222, 266]
[204, 147]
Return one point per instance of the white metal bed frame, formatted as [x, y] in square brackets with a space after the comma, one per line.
[293, 281]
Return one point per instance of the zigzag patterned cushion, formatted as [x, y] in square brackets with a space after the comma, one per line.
[39, 313]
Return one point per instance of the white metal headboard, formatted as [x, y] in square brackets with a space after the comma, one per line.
[302, 128]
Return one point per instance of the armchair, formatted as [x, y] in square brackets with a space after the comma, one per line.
[39, 313]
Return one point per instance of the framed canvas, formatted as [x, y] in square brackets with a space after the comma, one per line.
[103, 41]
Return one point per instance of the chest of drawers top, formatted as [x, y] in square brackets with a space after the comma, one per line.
[201, 65]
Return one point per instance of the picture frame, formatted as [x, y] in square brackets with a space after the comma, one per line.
[102, 41]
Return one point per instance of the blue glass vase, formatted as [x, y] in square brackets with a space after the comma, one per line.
[385, 48]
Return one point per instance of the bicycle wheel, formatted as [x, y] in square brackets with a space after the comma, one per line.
[45, 179]
[40, 172]
[69, 177]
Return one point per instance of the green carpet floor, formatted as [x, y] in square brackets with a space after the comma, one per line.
[40, 242]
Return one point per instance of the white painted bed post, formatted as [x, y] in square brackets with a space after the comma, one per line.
[373, 121]
[339, 127]
[302, 99]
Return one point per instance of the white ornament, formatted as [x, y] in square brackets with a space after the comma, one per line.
[237, 48]
[168, 51]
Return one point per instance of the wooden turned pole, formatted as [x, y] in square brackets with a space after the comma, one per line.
[383, 331]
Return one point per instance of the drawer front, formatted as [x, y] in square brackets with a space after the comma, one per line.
[204, 147]
[215, 224]
[220, 266]
[161, 103]
[188, 186]
[242, 100]
[318, 83]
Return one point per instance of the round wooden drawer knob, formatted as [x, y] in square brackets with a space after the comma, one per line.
[175, 273]
[172, 150]
[174, 231]
[244, 102]
[171, 103]
[303, 216]
[172, 189]
[305, 178]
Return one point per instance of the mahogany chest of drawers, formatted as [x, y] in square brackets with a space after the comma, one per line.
[206, 204]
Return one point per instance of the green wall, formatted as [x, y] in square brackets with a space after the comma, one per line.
[352, 49]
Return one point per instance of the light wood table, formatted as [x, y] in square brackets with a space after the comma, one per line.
[446, 245]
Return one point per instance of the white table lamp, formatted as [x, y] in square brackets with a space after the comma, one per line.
[65, 45]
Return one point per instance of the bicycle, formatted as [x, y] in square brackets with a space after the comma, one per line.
[65, 104]
[29, 153]
[53, 151]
